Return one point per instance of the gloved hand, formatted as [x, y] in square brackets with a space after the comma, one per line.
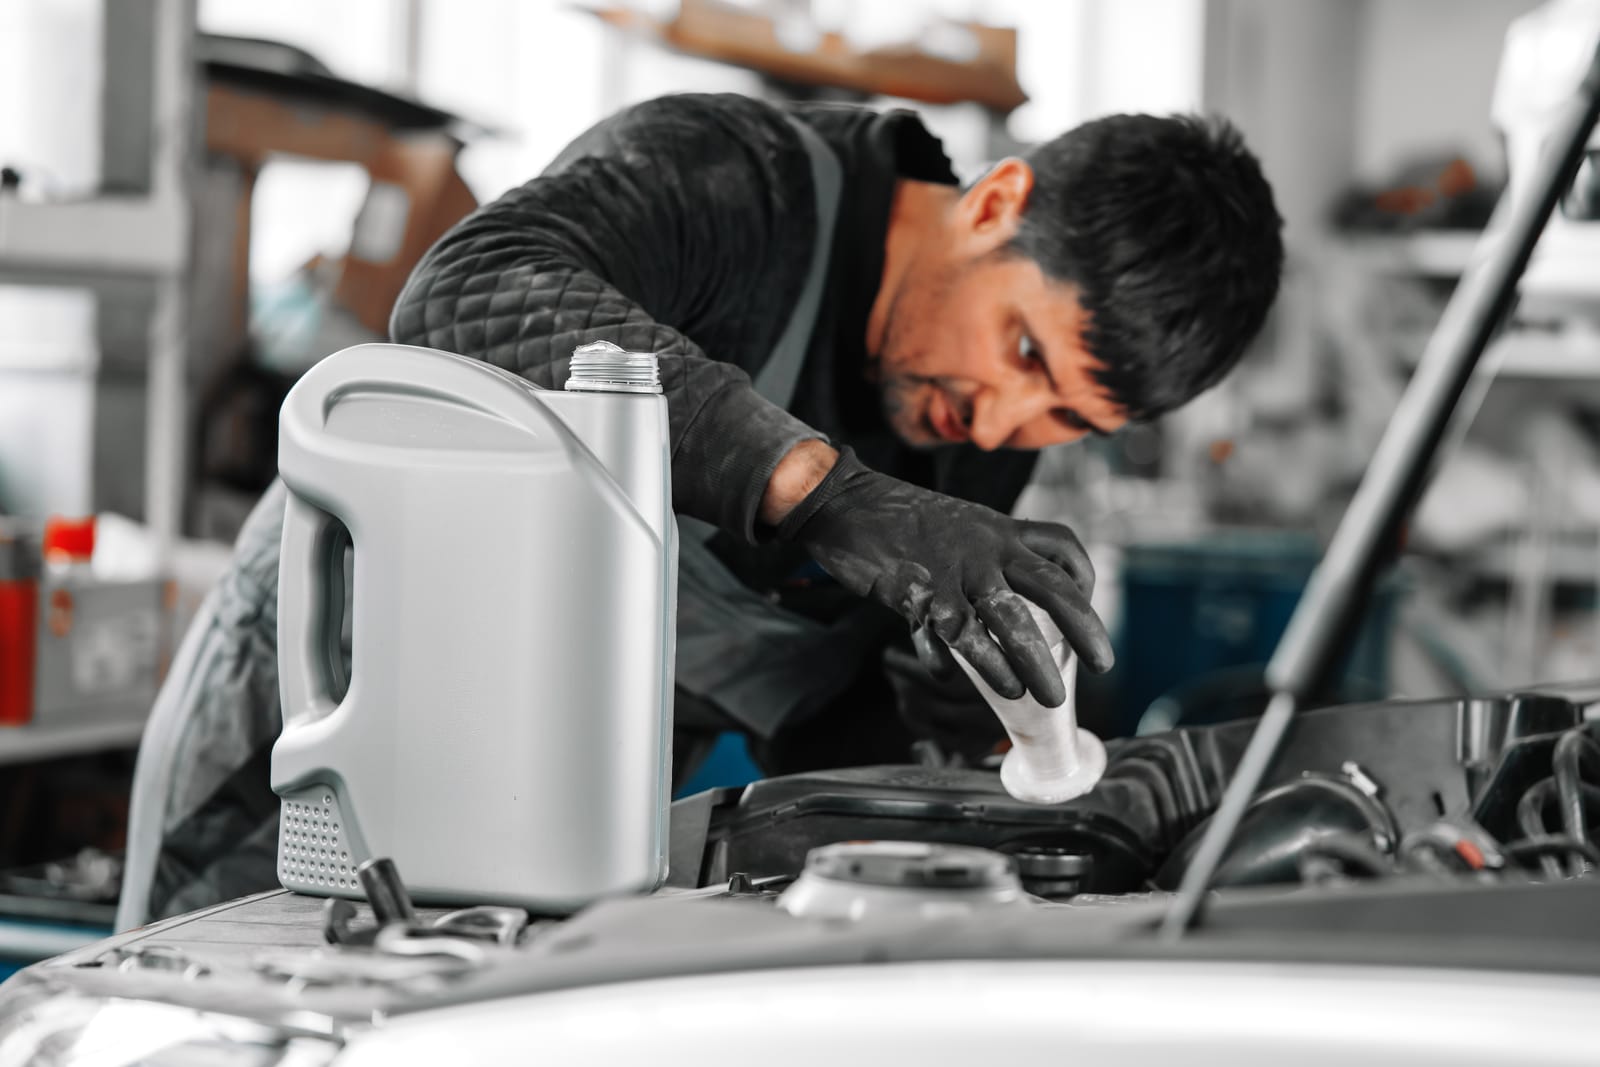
[950, 712]
[958, 572]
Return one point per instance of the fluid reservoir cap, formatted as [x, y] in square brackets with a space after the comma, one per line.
[910, 864]
[602, 367]
[857, 878]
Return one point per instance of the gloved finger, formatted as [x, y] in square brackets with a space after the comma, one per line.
[1060, 546]
[1007, 616]
[1050, 588]
[965, 633]
[934, 655]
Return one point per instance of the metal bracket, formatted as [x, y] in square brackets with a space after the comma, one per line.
[399, 931]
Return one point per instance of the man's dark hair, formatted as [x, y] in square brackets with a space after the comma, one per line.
[1168, 230]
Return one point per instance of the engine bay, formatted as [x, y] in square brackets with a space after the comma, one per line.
[1445, 835]
[1484, 788]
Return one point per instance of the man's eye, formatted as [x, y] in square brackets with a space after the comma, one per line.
[1028, 350]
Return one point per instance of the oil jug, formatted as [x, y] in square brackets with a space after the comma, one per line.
[504, 729]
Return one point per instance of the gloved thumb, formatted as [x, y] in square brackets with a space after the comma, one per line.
[934, 654]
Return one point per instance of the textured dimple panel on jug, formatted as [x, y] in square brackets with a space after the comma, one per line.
[314, 853]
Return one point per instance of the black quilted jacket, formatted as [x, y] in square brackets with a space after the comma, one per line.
[684, 226]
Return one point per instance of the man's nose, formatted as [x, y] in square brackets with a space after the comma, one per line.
[998, 415]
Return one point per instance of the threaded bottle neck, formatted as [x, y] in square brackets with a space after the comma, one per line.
[602, 367]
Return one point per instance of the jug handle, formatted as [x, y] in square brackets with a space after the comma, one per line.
[378, 367]
[309, 612]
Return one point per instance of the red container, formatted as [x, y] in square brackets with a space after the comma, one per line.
[19, 635]
[19, 611]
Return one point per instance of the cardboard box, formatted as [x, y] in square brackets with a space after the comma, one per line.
[103, 647]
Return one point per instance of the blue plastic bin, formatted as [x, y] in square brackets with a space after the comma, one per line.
[1195, 609]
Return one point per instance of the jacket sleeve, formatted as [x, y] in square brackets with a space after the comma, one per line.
[650, 222]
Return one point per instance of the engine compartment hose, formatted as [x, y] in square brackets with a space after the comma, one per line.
[1576, 752]
[1533, 811]
[1536, 847]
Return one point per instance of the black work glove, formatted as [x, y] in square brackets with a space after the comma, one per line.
[958, 572]
[950, 711]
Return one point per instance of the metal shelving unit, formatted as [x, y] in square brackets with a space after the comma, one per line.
[48, 740]
[1425, 253]
[145, 236]
[1523, 355]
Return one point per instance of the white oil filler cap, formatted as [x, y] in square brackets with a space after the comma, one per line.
[1052, 759]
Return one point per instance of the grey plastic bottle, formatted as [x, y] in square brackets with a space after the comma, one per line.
[505, 732]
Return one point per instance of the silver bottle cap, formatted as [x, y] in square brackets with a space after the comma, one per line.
[602, 367]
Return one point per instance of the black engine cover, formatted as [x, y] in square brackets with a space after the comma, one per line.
[1429, 759]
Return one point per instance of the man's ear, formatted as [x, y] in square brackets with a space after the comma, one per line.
[990, 211]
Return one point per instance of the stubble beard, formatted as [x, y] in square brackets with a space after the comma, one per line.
[902, 391]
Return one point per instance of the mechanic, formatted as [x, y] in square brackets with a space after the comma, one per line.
[860, 360]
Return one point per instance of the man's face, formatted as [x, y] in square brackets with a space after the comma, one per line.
[981, 346]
